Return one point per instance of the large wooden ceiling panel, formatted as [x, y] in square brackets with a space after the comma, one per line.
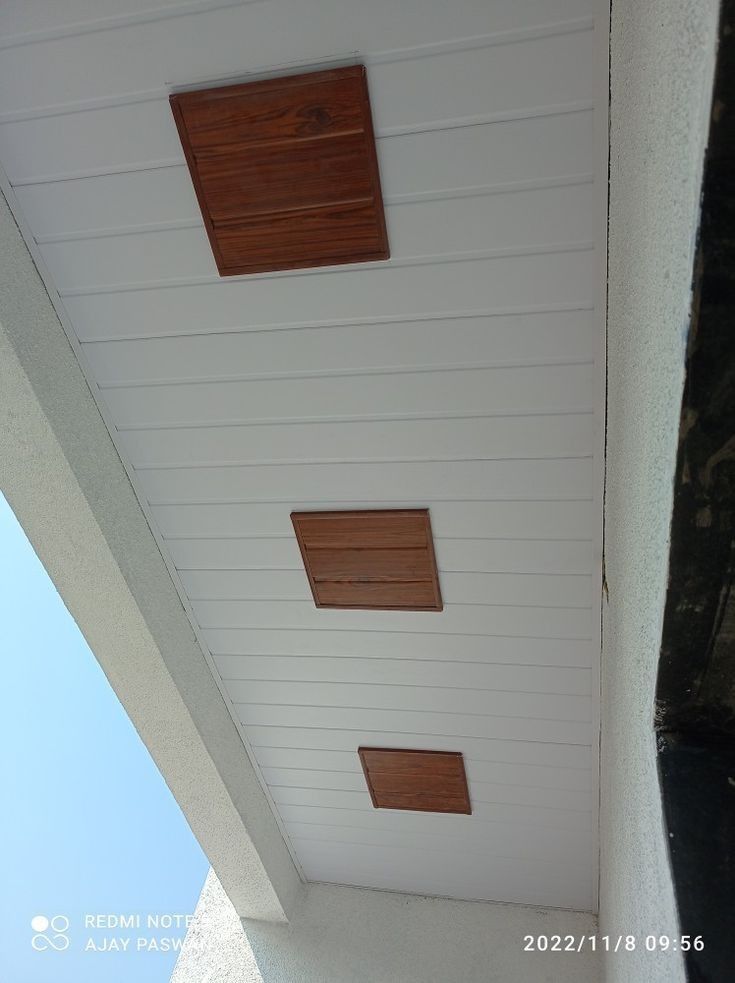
[423, 781]
[375, 559]
[285, 171]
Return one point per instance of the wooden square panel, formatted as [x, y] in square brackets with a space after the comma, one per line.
[422, 781]
[374, 559]
[285, 171]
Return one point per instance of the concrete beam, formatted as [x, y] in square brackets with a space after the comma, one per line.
[66, 484]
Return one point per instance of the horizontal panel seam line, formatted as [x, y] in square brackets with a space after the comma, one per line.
[381, 502]
[410, 631]
[474, 256]
[161, 503]
[406, 631]
[392, 201]
[281, 599]
[471, 818]
[585, 575]
[449, 571]
[381, 658]
[443, 662]
[486, 119]
[360, 775]
[174, 225]
[486, 539]
[449, 834]
[370, 320]
[153, 165]
[393, 631]
[347, 462]
[444, 713]
[492, 39]
[414, 735]
[468, 850]
[370, 659]
[492, 761]
[385, 133]
[163, 13]
[436, 126]
[475, 800]
[287, 681]
[82, 105]
[357, 773]
[312, 421]
[390, 56]
[471, 850]
[486, 190]
[367, 372]
[408, 130]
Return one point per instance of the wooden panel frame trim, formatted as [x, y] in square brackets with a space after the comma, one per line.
[377, 582]
[455, 770]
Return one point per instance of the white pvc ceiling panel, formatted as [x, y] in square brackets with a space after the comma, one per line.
[464, 375]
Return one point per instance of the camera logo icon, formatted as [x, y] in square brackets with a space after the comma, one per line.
[50, 933]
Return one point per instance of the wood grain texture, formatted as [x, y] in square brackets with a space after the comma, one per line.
[421, 781]
[363, 530]
[381, 559]
[378, 564]
[285, 171]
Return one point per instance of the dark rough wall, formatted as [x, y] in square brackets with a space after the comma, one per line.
[695, 706]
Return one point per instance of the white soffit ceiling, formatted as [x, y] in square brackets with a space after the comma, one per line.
[464, 375]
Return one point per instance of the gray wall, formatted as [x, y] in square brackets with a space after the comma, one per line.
[662, 57]
[349, 935]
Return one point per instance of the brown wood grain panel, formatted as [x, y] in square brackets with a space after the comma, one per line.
[409, 762]
[449, 785]
[377, 564]
[262, 180]
[432, 802]
[370, 529]
[271, 160]
[408, 595]
[381, 559]
[258, 112]
[297, 237]
[437, 781]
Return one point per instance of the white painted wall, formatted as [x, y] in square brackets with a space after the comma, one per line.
[351, 935]
[662, 55]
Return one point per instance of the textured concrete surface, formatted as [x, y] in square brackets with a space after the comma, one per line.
[662, 57]
[63, 479]
[216, 949]
[351, 935]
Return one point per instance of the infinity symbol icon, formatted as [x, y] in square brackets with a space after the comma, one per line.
[57, 940]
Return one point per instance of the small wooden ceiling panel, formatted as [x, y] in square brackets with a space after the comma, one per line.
[373, 559]
[422, 781]
[285, 171]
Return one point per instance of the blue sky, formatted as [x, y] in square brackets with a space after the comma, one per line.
[87, 825]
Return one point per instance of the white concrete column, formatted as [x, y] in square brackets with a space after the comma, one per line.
[661, 59]
[64, 480]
